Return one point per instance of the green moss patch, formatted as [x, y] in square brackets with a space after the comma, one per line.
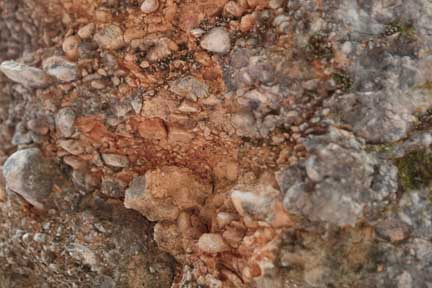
[415, 170]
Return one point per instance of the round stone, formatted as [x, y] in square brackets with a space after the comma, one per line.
[110, 37]
[149, 6]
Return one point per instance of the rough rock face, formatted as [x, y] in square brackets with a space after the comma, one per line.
[162, 194]
[338, 180]
[28, 173]
[215, 143]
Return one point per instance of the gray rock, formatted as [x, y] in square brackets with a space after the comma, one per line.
[112, 187]
[29, 174]
[414, 210]
[64, 121]
[25, 75]
[217, 41]
[110, 37]
[116, 160]
[189, 87]
[387, 96]
[60, 68]
[336, 182]
[21, 135]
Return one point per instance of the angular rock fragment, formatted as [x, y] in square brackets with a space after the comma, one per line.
[217, 41]
[60, 68]
[74, 147]
[212, 243]
[260, 203]
[86, 31]
[65, 120]
[336, 182]
[162, 193]
[152, 129]
[162, 48]
[190, 87]
[115, 160]
[26, 75]
[31, 175]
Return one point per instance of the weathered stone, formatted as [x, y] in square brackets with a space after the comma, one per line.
[162, 48]
[167, 237]
[149, 6]
[152, 129]
[61, 68]
[26, 75]
[212, 243]
[337, 180]
[190, 87]
[74, 147]
[161, 194]
[217, 41]
[234, 9]
[110, 37]
[21, 135]
[113, 187]
[65, 120]
[86, 31]
[31, 175]
[71, 47]
[115, 160]
[261, 203]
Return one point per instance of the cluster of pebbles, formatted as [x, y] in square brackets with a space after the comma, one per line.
[215, 143]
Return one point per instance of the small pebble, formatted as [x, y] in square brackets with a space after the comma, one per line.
[149, 6]
[217, 41]
[212, 243]
[60, 68]
[40, 237]
[247, 22]
[86, 31]
[65, 120]
[97, 84]
[71, 47]
[234, 9]
[115, 160]
[110, 37]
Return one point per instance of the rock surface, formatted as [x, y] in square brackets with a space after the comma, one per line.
[215, 143]
[110, 37]
[28, 173]
[60, 68]
[26, 75]
[163, 193]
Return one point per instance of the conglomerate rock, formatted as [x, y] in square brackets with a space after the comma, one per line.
[215, 143]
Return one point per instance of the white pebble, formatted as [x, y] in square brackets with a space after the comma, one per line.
[217, 41]
[149, 6]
